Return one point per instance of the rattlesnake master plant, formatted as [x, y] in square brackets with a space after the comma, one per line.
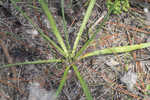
[70, 57]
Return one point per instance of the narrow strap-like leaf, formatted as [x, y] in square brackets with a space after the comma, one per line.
[31, 62]
[53, 26]
[85, 20]
[64, 78]
[117, 50]
[65, 25]
[83, 83]
[84, 47]
[39, 30]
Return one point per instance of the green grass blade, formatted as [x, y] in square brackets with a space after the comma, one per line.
[53, 43]
[65, 25]
[83, 83]
[85, 20]
[53, 26]
[31, 62]
[84, 47]
[39, 30]
[62, 81]
[121, 49]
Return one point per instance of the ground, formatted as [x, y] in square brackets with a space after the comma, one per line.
[122, 76]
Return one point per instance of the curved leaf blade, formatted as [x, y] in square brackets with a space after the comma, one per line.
[85, 46]
[65, 25]
[39, 30]
[83, 83]
[120, 49]
[31, 62]
[85, 20]
[64, 78]
[53, 26]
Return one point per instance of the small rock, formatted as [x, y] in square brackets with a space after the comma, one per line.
[38, 93]
[147, 13]
[111, 62]
[129, 79]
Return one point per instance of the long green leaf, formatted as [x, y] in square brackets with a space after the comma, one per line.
[83, 83]
[65, 25]
[117, 49]
[85, 46]
[62, 81]
[31, 62]
[39, 30]
[85, 20]
[53, 26]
